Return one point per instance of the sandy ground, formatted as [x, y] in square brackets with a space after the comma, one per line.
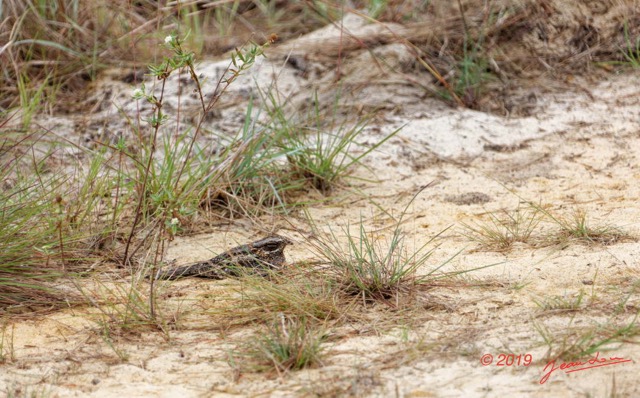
[577, 151]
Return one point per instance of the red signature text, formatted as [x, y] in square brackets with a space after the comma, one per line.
[577, 366]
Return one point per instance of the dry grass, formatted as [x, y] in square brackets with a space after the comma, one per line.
[64, 44]
[127, 204]
[123, 208]
[576, 228]
[56, 48]
[568, 337]
[286, 344]
[298, 293]
[53, 49]
[503, 229]
[557, 304]
[523, 225]
[7, 348]
[577, 342]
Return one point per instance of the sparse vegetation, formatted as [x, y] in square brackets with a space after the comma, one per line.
[471, 74]
[35, 230]
[632, 50]
[298, 293]
[55, 48]
[560, 303]
[577, 342]
[521, 225]
[7, 349]
[319, 152]
[370, 269]
[82, 223]
[576, 228]
[288, 344]
[301, 293]
[156, 194]
[504, 228]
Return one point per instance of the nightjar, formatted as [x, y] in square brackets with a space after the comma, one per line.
[259, 256]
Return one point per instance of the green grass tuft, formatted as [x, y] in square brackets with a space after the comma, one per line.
[370, 268]
[287, 344]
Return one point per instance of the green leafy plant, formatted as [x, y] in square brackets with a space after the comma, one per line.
[377, 7]
[163, 188]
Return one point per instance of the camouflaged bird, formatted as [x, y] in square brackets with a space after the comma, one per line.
[259, 256]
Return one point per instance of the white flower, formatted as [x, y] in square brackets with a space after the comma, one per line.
[174, 221]
[168, 39]
[137, 93]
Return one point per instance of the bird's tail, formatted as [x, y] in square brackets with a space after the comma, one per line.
[172, 273]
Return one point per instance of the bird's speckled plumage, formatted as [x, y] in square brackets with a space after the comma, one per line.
[259, 256]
